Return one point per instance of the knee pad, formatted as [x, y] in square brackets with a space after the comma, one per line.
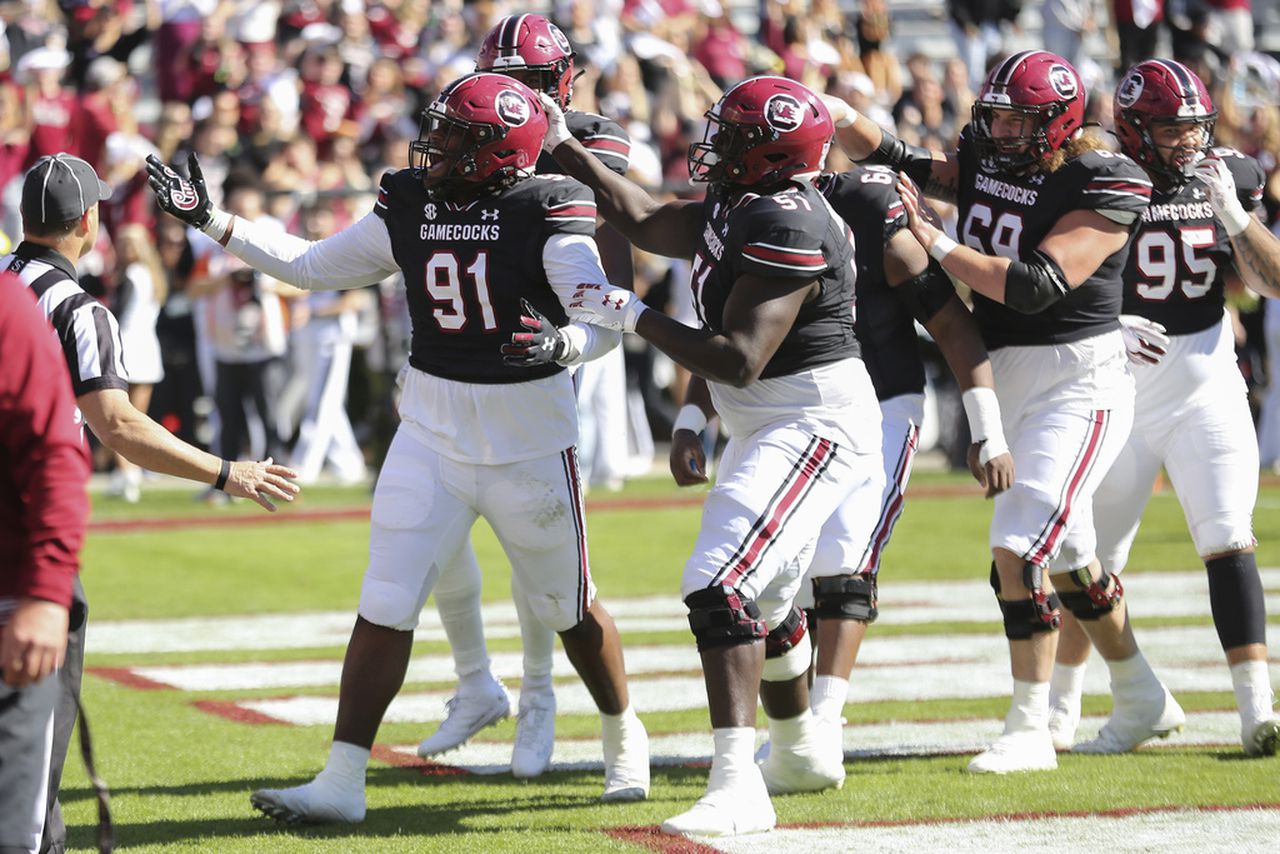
[786, 635]
[1236, 599]
[845, 597]
[554, 612]
[718, 616]
[1091, 600]
[790, 664]
[389, 605]
[1034, 615]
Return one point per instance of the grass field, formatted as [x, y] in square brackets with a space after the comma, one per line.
[185, 727]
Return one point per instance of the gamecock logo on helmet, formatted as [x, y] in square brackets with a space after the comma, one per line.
[783, 113]
[561, 39]
[1130, 90]
[512, 108]
[1063, 81]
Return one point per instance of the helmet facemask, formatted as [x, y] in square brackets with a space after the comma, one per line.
[444, 154]
[1173, 164]
[1017, 153]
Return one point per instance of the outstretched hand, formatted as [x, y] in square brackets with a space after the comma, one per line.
[557, 128]
[262, 481]
[921, 220]
[185, 198]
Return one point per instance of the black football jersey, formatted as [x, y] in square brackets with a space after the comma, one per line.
[1009, 215]
[603, 137]
[466, 267]
[791, 234]
[1174, 274]
[867, 199]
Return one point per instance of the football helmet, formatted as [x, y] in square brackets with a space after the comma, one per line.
[762, 131]
[1045, 93]
[534, 51]
[1156, 92]
[483, 132]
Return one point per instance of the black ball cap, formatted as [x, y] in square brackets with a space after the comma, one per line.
[59, 188]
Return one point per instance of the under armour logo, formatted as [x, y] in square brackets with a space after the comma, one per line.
[1197, 193]
[1036, 179]
[614, 302]
[429, 211]
[485, 216]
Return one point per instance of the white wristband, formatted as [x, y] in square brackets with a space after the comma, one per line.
[218, 225]
[1235, 219]
[942, 247]
[983, 411]
[690, 418]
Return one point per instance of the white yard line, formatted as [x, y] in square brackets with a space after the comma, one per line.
[863, 741]
[906, 603]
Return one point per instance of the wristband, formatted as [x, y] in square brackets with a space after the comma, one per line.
[691, 418]
[1235, 219]
[223, 474]
[219, 224]
[942, 247]
[983, 411]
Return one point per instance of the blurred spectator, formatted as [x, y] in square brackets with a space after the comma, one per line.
[875, 58]
[1066, 22]
[15, 132]
[53, 106]
[719, 46]
[976, 27]
[173, 400]
[176, 40]
[143, 289]
[328, 107]
[1230, 25]
[1137, 26]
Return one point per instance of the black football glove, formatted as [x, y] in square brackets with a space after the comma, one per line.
[187, 199]
[541, 345]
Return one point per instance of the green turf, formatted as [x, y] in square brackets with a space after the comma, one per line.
[181, 777]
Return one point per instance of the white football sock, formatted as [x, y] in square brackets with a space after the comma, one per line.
[828, 696]
[539, 643]
[1252, 683]
[1068, 683]
[734, 754]
[457, 595]
[1132, 673]
[346, 766]
[789, 733]
[1030, 707]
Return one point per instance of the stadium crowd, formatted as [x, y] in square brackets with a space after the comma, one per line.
[296, 109]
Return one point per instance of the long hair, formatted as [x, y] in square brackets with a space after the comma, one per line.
[1087, 140]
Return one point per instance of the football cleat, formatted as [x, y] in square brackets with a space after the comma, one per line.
[1132, 722]
[1027, 750]
[467, 715]
[626, 763]
[535, 735]
[812, 767]
[1264, 740]
[1064, 720]
[316, 802]
[727, 810]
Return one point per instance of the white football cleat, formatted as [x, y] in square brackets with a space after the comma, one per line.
[1026, 750]
[467, 715]
[1064, 720]
[813, 767]
[1132, 723]
[1263, 739]
[315, 802]
[727, 810]
[535, 735]
[626, 763]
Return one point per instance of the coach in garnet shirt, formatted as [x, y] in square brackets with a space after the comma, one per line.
[44, 468]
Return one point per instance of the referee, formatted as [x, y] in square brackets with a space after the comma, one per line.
[60, 198]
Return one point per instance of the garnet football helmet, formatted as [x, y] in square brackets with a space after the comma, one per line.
[1161, 91]
[534, 51]
[762, 131]
[1045, 92]
[484, 131]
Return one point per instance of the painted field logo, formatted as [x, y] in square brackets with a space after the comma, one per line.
[512, 108]
[1130, 90]
[783, 113]
[1063, 81]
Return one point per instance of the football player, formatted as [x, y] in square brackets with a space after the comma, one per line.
[896, 287]
[773, 276]
[1192, 414]
[487, 250]
[1047, 218]
[536, 52]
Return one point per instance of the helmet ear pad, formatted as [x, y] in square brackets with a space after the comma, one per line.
[763, 131]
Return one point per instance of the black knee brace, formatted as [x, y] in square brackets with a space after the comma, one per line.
[718, 616]
[845, 597]
[1236, 600]
[1037, 613]
[788, 633]
[1091, 600]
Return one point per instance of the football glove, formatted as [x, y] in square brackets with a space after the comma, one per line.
[557, 129]
[187, 199]
[606, 306]
[541, 345]
[1220, 186]
[1145, 341]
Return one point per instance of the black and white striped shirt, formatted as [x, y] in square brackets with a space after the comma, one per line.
[87, 330]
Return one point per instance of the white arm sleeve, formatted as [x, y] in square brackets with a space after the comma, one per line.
[358, 255]
[571, 260]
